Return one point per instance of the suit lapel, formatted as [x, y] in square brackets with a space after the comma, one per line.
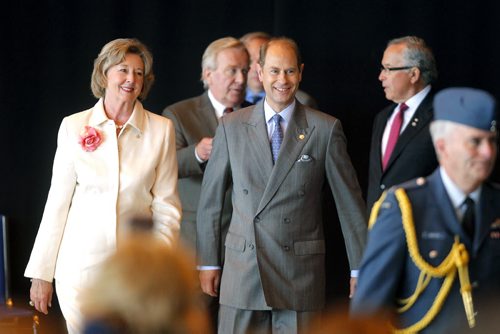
[207, 113]
[258, 141]
[296, 136]
[422, 117]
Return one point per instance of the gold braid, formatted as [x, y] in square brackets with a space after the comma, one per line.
[457, 258]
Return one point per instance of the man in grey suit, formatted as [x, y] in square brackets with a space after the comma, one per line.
[274, 269]
[225, 65]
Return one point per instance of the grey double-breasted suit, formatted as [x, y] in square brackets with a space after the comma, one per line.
[275, 247]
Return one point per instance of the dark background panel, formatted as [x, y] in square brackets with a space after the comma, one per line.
[49, 48]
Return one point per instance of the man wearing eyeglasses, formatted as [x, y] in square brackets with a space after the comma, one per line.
[401, 146]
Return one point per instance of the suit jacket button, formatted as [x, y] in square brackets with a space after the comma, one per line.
[286, 220]
[245, 191]
[382, 186]
[257, 219]
[286, 248]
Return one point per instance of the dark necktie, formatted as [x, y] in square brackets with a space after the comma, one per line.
[277, 137]
[227, 111]
[256, 98]
[394, 134]
[468, 218]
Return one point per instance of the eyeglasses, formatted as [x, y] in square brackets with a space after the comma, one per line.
[387, 70]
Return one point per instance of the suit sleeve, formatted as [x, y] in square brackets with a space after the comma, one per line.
[347, 194]
[383, 262]
[166, 204]
[188, 165]
[216, 180]
[43, 257]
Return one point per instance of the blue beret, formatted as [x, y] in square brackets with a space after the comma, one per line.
[468, 106]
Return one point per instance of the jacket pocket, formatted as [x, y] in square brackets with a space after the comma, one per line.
[309, 247]
[235, 242]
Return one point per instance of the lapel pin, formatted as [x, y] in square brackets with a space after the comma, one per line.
[433, 254]
[302, 136]
[420, 181]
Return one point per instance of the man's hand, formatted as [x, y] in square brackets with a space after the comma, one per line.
[210, 281]
[41, 295]
[352, 285]
[204, 148]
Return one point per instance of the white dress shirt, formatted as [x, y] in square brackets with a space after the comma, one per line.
[457, 196]
[413, 103]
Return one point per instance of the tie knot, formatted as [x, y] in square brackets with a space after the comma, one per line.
[403, 107]
[228, 110]
[468, 202]
[277, 119]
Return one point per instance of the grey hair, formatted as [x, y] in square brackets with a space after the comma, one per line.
[417, 53]
[209, 59]
[440, 129]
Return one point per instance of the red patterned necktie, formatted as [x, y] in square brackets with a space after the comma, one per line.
[227, 111]
[394, 134]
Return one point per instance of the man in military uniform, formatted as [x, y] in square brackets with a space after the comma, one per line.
[432, 262]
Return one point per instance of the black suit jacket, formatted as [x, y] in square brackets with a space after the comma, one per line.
[412, 157]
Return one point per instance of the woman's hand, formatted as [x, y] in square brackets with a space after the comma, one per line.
[41, 295]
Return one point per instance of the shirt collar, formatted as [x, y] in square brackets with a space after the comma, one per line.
[219, 107]
[136, 120]
[414, 101]
[457, 196]
[285, 113]
[250, 94]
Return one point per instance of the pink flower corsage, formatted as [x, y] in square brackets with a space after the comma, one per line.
[90, 139]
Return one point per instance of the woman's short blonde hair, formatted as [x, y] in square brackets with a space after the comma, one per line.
[114, 53]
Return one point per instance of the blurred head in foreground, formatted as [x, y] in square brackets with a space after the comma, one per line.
[145, 287]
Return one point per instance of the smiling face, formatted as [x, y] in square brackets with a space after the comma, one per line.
[280, 75]
[228, 81]
[125, 80]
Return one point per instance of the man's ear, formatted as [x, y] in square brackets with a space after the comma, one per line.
[415, 75]
[440, 147]
[206, 76]
[259, 72]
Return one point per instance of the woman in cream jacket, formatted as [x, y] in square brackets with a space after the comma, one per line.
[114, 161]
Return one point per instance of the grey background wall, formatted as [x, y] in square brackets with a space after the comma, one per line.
[48, 48]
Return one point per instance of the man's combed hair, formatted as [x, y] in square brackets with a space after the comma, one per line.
[418, 54]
